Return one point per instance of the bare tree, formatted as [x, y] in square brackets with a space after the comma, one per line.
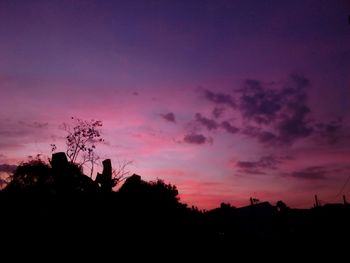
[120, 173]
[91, 159]
[81, 142]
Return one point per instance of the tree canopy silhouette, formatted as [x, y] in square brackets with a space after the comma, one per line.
[154, 191]
[59, 176]
[32, 176]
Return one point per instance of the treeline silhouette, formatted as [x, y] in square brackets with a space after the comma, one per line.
[56, 201]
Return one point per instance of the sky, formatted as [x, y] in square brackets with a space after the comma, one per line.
[225, 99]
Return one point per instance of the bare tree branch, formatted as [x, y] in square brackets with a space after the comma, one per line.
[121, 172]
[81, 142]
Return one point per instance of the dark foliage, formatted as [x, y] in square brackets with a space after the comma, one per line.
[62, 208]
[32, 176]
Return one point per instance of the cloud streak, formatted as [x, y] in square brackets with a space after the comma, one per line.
[16, 134]
[319, 172]
[195, 138]
[259, 167]
[310, 173]
[331, 131]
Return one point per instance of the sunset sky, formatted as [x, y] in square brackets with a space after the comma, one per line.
[225, 99]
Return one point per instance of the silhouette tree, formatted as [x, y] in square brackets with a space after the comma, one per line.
[150, 193]
[60, 176]
[165, 192]
[281, 206]
[32, 176]
[81, 142]
[121, 173]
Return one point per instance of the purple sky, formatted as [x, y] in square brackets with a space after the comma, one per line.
[225, 99]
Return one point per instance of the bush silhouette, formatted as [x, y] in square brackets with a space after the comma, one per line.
[33, 176]
[38, 177]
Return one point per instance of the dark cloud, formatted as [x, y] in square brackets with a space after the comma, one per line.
[135, 93]
[258, 167]
[257, 103]
[206, 122]
[34, 124]
[252, 171]
[11, 129]
[267, 137]
[294, 121]
[195, 138]
[294, 127]
[251, 131]
[265, 162]
[276, 116]
[300, 81]
[40, 124]
[11, 144]
[217, 112]
[229, 128]
[247, 165]
[169, 117]
[212, 125]
[311, 173]
[331, 131]
[321, 172]
[273, 113]
[15, 134]
[7, 168]
[220, 98]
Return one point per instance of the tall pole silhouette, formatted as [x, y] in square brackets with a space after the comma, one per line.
[317, 204]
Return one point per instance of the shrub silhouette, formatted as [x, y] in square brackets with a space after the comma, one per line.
[61, 176]
[33, 176]
[154, 194]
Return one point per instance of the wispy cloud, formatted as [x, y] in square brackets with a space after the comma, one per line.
[331, 131]
[206, 122]
[16, 134]
[259, 167]
[228, 127]
[311, 173]
[196, 138]
[320, 172]
[219, 98]
[218, 112]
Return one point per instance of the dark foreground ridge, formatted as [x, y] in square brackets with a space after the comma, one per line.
[58, 207]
